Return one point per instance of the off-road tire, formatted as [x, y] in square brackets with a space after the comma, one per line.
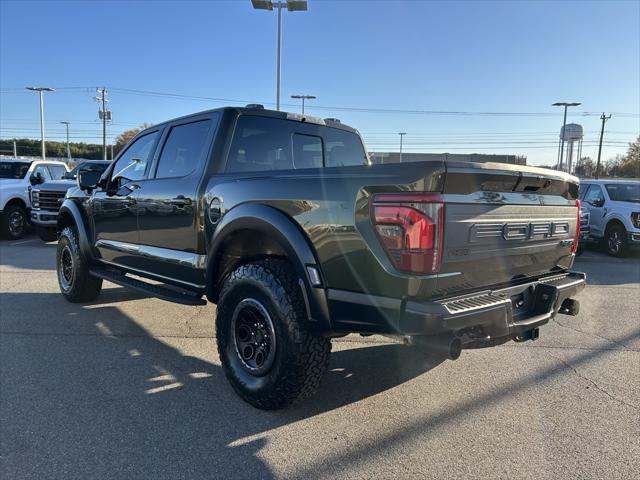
[301, 357]
[615, 241]
[8, 227]
[47, 234]
[78, 286]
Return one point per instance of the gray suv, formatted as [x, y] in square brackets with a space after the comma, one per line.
[614, 208]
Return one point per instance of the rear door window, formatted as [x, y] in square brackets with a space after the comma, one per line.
[185, 148]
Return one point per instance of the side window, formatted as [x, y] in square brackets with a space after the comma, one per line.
[184, 149]
[57, 171]
[583, 191]
[594, 196]
[307, 151]
[131, 166]
[260, 144]
[343, 148]
[42, 170]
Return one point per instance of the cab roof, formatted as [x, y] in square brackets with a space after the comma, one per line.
[259, 110]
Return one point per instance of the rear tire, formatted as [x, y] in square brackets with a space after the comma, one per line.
[14, 222]
[268, 353]
[615, 241]
[76, 284]
[47, 234]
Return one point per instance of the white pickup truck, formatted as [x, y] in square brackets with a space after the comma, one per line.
[614, 208]
[16, 176]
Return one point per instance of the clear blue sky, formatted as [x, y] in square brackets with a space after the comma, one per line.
[402, 55]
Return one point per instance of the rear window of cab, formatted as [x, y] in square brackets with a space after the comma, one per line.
[263, 144]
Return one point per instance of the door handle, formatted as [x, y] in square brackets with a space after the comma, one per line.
[180, 201]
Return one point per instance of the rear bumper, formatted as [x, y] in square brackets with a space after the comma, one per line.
[44, 218]
[488, 317]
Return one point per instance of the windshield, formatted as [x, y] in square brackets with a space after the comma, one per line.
[624, 192]
[14, 170]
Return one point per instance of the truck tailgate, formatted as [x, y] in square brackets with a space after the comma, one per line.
[505, 224]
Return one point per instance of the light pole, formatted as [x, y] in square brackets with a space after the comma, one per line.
[292, 6]
[564, 124]
[402, 134]
[40, 90]
[68, 149]
[303, 98]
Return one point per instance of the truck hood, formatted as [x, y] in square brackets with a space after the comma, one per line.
[56, 185]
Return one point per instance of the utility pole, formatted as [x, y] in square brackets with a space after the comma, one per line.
[15, 149]
[292, 6]
[68, 149]
[40, 90]
[104, 115]
[303, 98]
[402, 134]
[112, 151]
[604, 119]
[564, 124]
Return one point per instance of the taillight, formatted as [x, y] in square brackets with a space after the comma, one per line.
[574, 247]
[411, 227]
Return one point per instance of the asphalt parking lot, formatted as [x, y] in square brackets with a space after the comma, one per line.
[131, 387]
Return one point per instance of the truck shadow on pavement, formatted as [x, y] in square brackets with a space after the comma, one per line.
[99, 397]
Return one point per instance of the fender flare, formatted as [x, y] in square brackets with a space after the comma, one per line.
[267, 220]
[69, 207]
[614, 218]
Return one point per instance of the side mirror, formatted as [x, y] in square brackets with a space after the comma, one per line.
[88, 179]
[36, 179]
[598, 202]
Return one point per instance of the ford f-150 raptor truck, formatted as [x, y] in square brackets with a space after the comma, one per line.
[281, 221]
[47, 197]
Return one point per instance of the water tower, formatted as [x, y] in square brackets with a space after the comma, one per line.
[572, 134]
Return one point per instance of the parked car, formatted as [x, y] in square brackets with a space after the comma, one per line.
[16, 177]
[281, 221]
[47, 197]
[614, 210]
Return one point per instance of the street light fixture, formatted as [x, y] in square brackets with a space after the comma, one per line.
[40, 90]
[564, 124]
[68, 149]
[402, 134]
[303, 98]
[292, 6]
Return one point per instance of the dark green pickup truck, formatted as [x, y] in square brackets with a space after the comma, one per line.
[281, 221]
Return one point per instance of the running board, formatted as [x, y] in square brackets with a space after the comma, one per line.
[158, 291]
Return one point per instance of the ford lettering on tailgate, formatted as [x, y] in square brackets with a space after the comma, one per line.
[518, 230]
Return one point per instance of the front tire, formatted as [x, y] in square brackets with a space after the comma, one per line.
[14, 222]
[615, 241]
[47, 234]
[268, 353]
[76, 283]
